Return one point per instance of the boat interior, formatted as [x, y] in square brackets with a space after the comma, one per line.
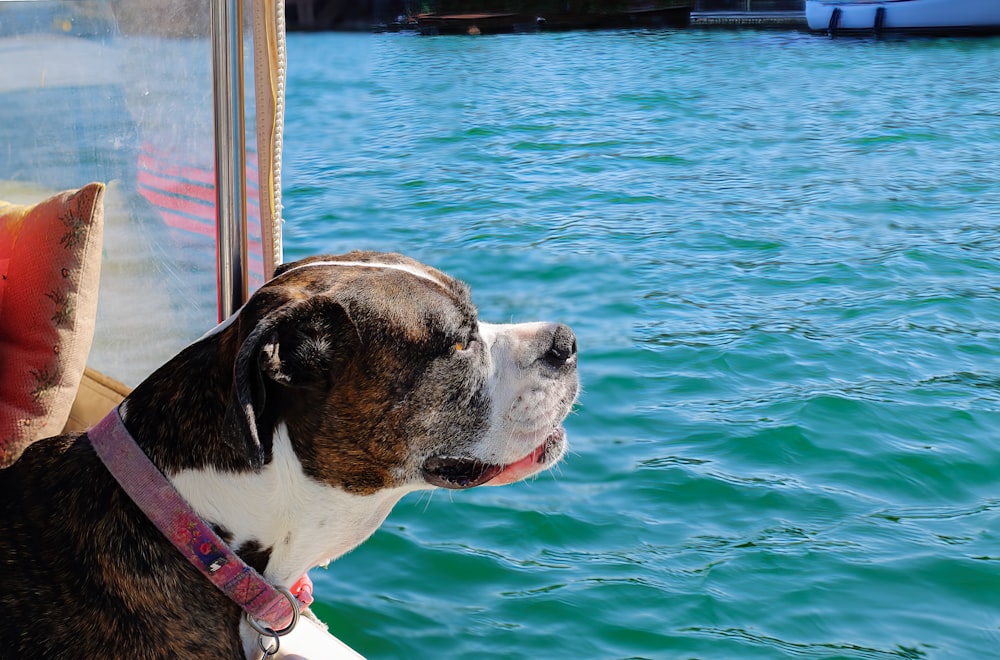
[139, 192]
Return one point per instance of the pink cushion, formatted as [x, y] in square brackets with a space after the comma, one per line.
[48, 306]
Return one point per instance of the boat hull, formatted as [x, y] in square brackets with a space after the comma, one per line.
[928, 16]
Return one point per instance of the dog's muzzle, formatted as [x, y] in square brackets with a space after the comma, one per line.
[462, 473]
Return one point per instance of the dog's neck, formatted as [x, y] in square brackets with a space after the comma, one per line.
[296, 521]
[182, 416]
[276, 518]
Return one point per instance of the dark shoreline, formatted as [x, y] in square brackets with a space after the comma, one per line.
[506, 16]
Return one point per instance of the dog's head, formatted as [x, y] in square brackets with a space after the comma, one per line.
[381, 373]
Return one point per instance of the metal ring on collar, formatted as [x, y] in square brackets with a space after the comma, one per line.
[268, 651]
[270, 632]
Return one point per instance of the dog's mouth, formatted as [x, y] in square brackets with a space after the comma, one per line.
[461, 473]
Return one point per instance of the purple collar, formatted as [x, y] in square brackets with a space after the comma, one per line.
[273, 609]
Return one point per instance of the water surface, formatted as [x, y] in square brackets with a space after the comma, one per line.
[780, 255]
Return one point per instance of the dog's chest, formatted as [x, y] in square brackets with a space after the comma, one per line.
[95, 571]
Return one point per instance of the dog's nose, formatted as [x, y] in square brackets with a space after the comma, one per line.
[563, 348]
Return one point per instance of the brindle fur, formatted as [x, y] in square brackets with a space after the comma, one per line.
[83, 573]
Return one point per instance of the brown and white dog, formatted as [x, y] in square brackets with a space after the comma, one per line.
[368, 376]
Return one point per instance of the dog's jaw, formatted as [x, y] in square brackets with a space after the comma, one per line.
[300, 522]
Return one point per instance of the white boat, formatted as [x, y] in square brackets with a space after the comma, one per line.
[926, 16]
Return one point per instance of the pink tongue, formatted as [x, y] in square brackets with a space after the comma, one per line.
[525, 462]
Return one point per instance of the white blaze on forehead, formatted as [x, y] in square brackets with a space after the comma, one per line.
[405, 268]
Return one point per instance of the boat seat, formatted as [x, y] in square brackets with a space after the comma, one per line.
[97, 395]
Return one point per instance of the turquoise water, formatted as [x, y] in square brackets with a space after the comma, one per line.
[781, 255]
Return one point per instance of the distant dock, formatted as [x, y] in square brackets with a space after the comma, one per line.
[431, 24]
[392, 15]
[755, 19]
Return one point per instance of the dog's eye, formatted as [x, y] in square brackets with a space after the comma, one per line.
[455, 346]
[463, 343]
[462, 346]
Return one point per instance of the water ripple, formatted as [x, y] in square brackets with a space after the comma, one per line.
[781, 257]
[814, 650]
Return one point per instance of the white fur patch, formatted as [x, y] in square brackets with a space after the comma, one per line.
[305, 523]
[526, 407]
[406, 268]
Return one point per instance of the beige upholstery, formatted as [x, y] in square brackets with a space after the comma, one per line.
[97, 395]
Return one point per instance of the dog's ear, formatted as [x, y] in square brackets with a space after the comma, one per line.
[301, 345]
[308, 345]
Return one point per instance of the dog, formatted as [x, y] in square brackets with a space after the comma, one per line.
[292, 429]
